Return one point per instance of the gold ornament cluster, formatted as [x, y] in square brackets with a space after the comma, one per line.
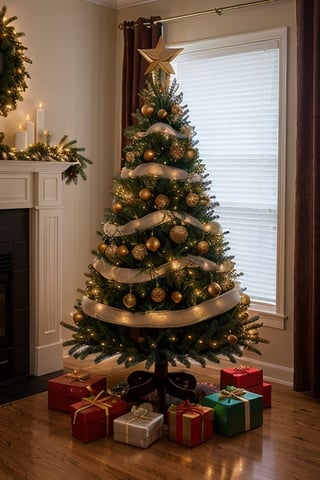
[13, 73]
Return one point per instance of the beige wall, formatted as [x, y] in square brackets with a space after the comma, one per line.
[277, 358]
[72, 47]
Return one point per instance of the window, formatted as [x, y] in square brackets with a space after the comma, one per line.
[235, 90]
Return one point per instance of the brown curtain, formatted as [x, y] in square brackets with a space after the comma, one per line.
[307, 216]
[142, 33]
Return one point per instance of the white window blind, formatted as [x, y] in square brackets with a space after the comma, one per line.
[233, 98]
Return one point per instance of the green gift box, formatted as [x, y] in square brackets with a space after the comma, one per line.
[235, 410]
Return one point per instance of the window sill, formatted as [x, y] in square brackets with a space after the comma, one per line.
[270, 319]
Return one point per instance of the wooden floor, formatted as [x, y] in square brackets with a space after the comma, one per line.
[36, 444]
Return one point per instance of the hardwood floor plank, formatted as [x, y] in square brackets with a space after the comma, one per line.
[36, 444]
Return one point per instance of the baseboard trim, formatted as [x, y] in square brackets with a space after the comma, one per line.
[272, 373]
[46, 359]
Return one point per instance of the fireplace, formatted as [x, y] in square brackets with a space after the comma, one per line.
[30, 268]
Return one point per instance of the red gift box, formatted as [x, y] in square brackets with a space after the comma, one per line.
[241, 377]
[190, 424]
[265, 390]
[93, 418]
[70, 388]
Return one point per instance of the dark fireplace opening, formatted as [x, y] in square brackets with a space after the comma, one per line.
[14, 294]
[5, 298]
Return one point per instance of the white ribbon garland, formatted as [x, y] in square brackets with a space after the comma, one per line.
[164, 318]
[136, 275]
[163, 129]
[157, 218]
[158, 170]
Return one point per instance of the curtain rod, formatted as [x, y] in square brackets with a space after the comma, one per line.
[216, 11]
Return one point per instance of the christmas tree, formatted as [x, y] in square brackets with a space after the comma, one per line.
[163, 287]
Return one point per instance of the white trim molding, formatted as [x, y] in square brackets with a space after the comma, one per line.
[37, 186]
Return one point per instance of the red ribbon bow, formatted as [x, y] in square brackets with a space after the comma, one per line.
[188, 407]
[241, 369]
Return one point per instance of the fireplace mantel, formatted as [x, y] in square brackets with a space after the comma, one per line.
[37, 185]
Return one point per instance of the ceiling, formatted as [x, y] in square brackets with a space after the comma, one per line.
[119, 4]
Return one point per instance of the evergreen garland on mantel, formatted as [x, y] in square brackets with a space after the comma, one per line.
[64, 151]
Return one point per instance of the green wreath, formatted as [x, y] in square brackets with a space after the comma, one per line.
[12, 65]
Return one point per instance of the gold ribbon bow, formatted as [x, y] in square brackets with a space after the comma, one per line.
[139, 413]
[76, 376]
[102, 402]
[237, 393]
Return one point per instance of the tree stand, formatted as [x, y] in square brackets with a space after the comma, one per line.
[180, 385]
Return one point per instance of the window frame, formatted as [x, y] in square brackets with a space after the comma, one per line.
[271, 315]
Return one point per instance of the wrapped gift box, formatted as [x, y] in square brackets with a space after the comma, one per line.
[264, 389]
[139, 427]
[93, 417]
[70, 388]
[235, 410]
[241, 377]
[190, 424]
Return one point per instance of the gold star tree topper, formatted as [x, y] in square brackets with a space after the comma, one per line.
[160, 57]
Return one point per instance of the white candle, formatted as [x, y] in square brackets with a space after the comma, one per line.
[21, 140]
[40, 124]
[30, 131]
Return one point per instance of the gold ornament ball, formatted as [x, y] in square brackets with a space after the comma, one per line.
[232, 339]
[117, 207]
[213, 227]
[190, 154]
[177, 151]
[176, 297]
[243, 316]
[178, 234]
[245, 299]
[202, 247]
[192, 199]
[77, 317]
[158, 294]
[162, 113]
[176, 109]
[111, 252]
[95, 291]
[149, 155]
[102, 247]
[147, 110]
[122, 251]
[145, 194]
[214, 289]
[253, 332]
[153, 244]
[139, 251]
[129, 300]
[161, 201]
